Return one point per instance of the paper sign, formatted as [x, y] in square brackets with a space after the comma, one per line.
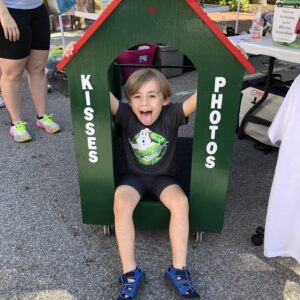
[284, 24]
[257, 30]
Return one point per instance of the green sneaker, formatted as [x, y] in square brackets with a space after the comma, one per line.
[47, 123]
[19, 133]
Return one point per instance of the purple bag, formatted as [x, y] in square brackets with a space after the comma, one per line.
[144, 56]
[297, 30]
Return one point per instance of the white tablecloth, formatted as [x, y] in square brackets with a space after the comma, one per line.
[266, 47]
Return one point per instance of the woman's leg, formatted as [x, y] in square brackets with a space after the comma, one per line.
[176, 201]
[37, 80]
[38, 88]
[12, 71]
[1, 99]
[126, 199]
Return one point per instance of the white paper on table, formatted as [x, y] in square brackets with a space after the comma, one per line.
[284, 24]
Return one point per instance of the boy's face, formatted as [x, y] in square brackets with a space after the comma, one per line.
[148, 102]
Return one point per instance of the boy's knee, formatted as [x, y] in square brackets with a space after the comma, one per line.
[119, 205]
[122, 205]
[181, 205]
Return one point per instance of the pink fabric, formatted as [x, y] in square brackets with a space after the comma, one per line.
[138, 57]
[297, 30]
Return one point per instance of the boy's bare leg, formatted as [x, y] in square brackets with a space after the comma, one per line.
[176, 201]
[126, 200]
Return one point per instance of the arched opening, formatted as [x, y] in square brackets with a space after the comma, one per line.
[182, 77]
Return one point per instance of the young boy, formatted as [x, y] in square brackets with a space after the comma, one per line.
[150, 125]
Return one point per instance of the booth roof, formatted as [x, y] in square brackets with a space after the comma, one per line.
[193, 4]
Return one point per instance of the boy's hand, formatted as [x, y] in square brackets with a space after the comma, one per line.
[190, 104]
[114, 104]
[242, 51]
[69, 49]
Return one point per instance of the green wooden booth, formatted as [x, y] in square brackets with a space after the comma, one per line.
[183, 25]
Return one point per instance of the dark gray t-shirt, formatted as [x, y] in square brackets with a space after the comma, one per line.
[150, 149]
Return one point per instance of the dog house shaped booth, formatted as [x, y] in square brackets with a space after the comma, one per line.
[183, 25]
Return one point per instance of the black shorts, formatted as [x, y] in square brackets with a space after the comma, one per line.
[148, 184]
[34, 27]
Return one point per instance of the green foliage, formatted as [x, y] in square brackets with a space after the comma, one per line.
[233, 5]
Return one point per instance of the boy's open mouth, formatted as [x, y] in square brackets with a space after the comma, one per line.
[146, 116]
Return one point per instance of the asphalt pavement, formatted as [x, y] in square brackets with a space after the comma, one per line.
[47, 253]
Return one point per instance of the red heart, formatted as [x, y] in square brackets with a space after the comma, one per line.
[152, 10]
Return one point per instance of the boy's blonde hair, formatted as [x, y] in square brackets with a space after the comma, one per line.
[140, 77]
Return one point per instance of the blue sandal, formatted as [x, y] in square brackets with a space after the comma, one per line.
[130, 283]
[179, 280]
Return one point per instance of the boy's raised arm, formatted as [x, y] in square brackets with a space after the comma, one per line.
[114, 104]
[190, 104]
